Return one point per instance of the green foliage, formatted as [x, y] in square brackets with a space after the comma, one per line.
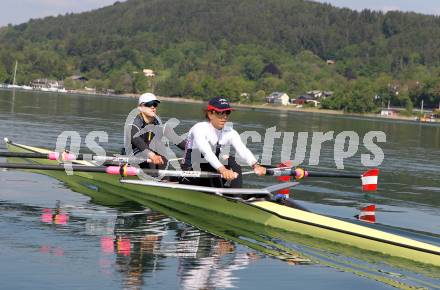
[260, 97]
[121, 81]
[357, 97]
[409, 106]
[252, 67]
[206, 48]
[3, 74]
[141, 83]
[72, 84]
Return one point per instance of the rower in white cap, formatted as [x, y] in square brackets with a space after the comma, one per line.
[144, 131]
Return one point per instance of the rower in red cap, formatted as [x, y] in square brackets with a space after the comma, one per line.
[206, 140]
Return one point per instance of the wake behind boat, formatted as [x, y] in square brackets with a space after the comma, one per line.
[259, 211]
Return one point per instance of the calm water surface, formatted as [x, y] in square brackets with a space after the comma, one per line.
[54, 237]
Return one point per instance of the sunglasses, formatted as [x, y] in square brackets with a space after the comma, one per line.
[150, 104]
[222, 114]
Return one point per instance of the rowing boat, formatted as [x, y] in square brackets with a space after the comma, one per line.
[271, 215]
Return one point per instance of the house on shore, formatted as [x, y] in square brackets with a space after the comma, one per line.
[78, 78]
[278, 98]
[47, 85]
[77, 81]
[314, 97]
[315, 94]
[388, 113]
[149, 73]
[306, 99]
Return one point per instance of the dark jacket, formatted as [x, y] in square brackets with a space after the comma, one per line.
[146, 137]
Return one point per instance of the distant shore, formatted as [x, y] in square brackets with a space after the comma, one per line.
[288, 108]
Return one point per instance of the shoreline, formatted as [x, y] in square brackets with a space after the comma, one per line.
[254, 106]
[291, 109]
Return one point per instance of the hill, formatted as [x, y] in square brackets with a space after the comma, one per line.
[201, 48]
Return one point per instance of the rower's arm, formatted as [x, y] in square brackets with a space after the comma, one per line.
[138, 142]
[182, 145]
[241, 149]
[170, 134]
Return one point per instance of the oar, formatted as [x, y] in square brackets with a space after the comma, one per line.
[288, 171]
[66, 156]
[367, 214]
[123, 170]
[295, 172]
[369, 178]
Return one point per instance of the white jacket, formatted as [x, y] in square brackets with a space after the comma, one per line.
[204, 137]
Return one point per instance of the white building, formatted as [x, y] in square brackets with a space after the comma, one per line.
[149, 73]
[278, 98]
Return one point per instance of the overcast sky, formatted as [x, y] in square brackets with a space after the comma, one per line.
[19, 11]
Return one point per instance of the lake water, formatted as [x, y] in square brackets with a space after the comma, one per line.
[53, 237]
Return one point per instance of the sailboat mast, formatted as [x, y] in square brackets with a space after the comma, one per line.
[15, 72]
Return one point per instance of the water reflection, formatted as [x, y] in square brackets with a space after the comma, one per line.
[215, 271]
[136, 246]
[56, 216]
[142, 242]
[52, 250]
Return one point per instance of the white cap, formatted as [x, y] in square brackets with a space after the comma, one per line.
[147, 97]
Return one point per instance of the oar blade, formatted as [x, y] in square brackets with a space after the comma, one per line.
[368, 214]
[284, 193]
[369, 180]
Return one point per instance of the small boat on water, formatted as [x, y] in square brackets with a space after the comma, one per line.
[259, 210]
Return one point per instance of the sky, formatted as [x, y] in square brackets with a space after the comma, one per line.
[19, 11]
[420, 6]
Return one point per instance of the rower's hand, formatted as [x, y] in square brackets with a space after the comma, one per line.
[156, 159]
[259, 170]
[299, 173]
[227, 173]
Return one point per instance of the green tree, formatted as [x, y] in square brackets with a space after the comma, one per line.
[121, 81]
[260, 97]
[360, 97]
[141, 83]
[3, 74]
[252, 67]
[272, 84]
[202, 48]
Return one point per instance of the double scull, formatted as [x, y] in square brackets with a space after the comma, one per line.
[258, 210]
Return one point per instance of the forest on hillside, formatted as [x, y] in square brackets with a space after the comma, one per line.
[202, 48]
